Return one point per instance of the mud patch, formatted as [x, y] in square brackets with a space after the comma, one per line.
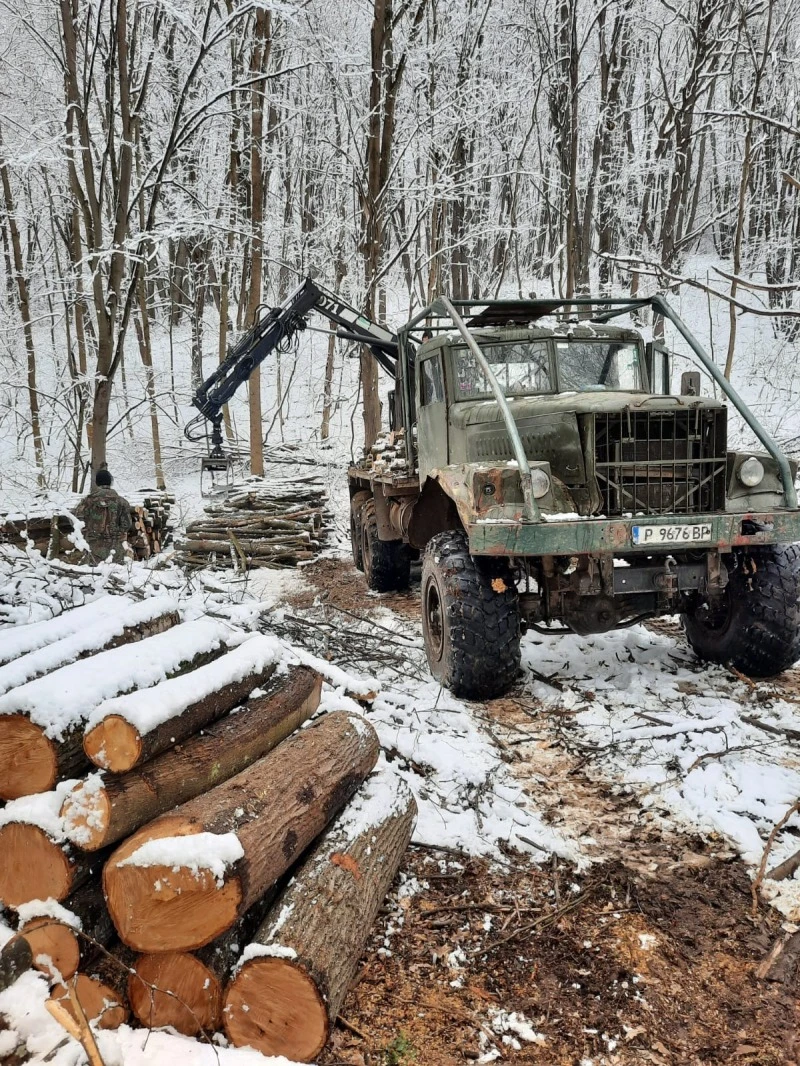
[608, 968]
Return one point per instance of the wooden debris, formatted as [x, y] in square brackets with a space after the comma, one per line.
[15, 959]
[101, 812]
[271, 812]
[288, 991]
[259, 526]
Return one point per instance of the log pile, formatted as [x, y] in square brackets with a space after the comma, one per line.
[260, 526]
[49, 533]
[224, 860]
[388, 454]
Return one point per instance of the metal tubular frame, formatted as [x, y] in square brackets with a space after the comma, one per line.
[531, 512]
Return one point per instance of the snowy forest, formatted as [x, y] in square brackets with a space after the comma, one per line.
[168, 167]
[446, 710]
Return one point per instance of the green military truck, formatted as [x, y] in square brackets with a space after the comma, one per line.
[541, 463]
[539, 459]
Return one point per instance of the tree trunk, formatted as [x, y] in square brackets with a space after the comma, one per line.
[35, 866]
[285, 997]
[128, 734]
[55, 948]
[258, 65]
[275, 808]
[96, 814]
[25, 312]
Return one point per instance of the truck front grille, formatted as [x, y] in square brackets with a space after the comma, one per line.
[660, 462]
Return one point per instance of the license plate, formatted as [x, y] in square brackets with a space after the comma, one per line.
[700, 533]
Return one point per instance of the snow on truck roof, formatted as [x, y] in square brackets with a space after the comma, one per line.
[542, 331]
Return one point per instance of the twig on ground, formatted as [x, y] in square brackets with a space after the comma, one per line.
[759, 878]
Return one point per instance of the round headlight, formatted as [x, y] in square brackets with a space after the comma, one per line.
[751, 472]
[540, 482]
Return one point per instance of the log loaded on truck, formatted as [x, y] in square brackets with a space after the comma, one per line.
[540, 462]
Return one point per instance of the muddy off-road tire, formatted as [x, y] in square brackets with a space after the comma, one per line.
[756, 626]
[386, 563]
[470, 619]
[356, 503]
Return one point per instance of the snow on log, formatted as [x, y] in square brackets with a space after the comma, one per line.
[188, 987]
[184, 879]
[36, 864]
[294, 976]
[128, 730]
[41, 722]
[101, 1004]
[129, 623]
[103, 809]
[20, 640]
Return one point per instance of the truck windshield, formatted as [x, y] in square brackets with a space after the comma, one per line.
[599, 364]
[521, 368]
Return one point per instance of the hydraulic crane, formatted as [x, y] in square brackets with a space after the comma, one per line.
[274, 330]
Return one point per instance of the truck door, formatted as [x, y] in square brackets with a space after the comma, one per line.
[431, 415]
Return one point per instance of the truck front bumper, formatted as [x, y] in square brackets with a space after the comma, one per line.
[591, 536]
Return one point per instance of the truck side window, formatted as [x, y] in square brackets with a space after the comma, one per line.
[432, 383]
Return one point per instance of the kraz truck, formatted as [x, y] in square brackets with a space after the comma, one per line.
[540, 463]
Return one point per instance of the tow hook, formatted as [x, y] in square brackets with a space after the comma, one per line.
[668, 581]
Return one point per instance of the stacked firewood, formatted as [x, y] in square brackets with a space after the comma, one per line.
[50, 533]
[173, 837]
[260, 526]
[388, 454]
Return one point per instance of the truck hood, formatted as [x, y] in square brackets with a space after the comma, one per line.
[479, 412]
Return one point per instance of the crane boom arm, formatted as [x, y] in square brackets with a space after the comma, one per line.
[274, 330]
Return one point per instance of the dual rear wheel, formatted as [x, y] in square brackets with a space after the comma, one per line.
[386, 563]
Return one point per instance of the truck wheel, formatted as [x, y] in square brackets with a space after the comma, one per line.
[386, 563]
[756, 626]
[470, 619]
[356, 503]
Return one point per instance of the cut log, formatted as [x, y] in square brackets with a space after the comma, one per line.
[42, 722]
[129, 730]
[35, 866]
[15, 959]
[184, 879]
[175, 988]
[60, 937]
[54, 946]
[129, 623]
[295, 975]
[188, 988]
[105, 809]
[101, 1004]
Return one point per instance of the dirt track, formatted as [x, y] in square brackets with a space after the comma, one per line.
[649, 956]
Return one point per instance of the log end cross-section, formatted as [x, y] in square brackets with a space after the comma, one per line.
[177, 989]
[28, 762]
[33, 866]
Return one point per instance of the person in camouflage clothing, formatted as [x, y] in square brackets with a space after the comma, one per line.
[106, 518]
